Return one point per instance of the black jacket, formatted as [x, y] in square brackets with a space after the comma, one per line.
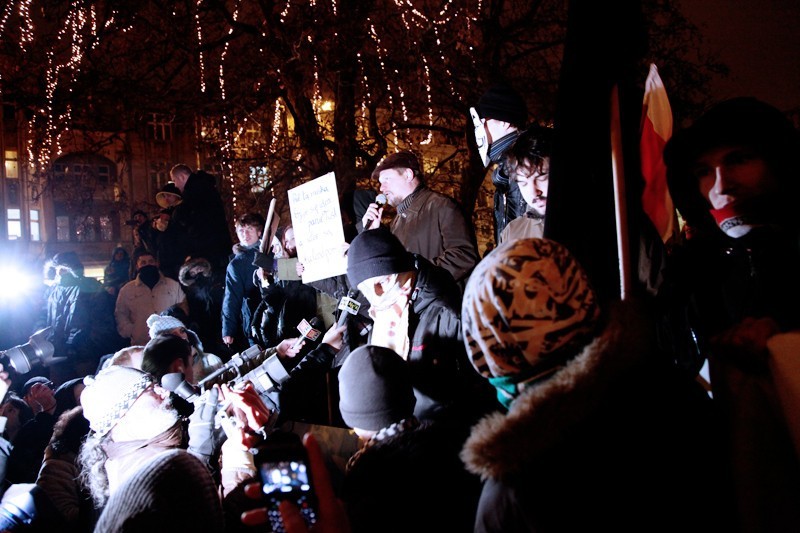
[617, 440]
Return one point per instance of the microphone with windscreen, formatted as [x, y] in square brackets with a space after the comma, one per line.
[381, 201]
[176, 382]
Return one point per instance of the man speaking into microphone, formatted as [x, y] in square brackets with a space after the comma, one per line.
[427, 223]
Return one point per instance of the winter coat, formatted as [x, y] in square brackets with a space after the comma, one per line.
[721, 281]
[80, 313]
[432, 225]
[508, 201]
[201, 217]
[411, 480]
[445, 384]
[618, 440]
[523, 227]
[117, 272]
[136, 302]
[241, 294]
[26, 455]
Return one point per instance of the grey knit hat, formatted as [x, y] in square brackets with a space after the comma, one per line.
[376, 252]
[375, 388]
[172, 492]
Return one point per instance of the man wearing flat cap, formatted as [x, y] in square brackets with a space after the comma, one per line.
[427, 223]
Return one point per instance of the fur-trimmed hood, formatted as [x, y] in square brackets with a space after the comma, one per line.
[546, 413]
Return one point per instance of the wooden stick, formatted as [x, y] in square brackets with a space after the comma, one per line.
[620, 205]
[267, 234]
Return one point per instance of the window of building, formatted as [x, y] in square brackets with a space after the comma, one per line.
[106, 229]
[14, 218]
[159, 175]
[259, 178]
[62, 228]
[85, 230]
[12, 186]
[11, 164]
[103, 174]
[159, 127]
[36, 234]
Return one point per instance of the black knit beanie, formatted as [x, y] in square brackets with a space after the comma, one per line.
[375, 388]
[501, 102]
[376, 252]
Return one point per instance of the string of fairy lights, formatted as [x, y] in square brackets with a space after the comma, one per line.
[80, 32]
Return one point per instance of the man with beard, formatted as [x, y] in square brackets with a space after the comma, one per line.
[499, 117]
[528, 165]
[133, 464]
[150, 293]
[427, 223]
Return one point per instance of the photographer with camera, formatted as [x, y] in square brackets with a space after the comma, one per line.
[134, 460]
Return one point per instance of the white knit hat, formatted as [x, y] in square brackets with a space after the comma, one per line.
[161, 323]
[109, 395]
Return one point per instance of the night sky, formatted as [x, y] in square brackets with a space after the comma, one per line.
[760, 43]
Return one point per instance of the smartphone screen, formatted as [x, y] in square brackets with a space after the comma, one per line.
[285, 475]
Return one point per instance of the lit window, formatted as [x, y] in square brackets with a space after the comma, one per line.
[12, 167]
[14, 224]
[35, 229]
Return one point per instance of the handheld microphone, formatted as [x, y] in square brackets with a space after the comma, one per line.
[308, 331]
[381, 201]
[348, 306]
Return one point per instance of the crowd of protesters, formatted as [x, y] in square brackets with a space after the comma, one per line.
[499, 394]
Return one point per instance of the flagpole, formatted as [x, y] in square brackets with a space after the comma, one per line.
[620, 205]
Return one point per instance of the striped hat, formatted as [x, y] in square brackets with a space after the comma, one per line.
[109, 395]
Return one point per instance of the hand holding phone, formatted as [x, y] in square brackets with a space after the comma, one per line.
[283, 469]
[332, 517]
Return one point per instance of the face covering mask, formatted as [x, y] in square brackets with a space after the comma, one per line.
[480, 136]
[149, 275]
[737, 220]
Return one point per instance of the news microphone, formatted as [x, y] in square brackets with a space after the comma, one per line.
[308, 331]
[175, 382]
[381, 201]
[348, 305]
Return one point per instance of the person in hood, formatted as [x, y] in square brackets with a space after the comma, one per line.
[597, 430]
[733, 177]
[148, 294]
[117, 272]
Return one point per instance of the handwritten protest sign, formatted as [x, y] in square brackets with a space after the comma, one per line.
[318, 232]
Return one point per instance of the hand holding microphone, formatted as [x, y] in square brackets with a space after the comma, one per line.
[372, 218]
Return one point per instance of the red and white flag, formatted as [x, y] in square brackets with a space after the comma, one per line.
[656, 131]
